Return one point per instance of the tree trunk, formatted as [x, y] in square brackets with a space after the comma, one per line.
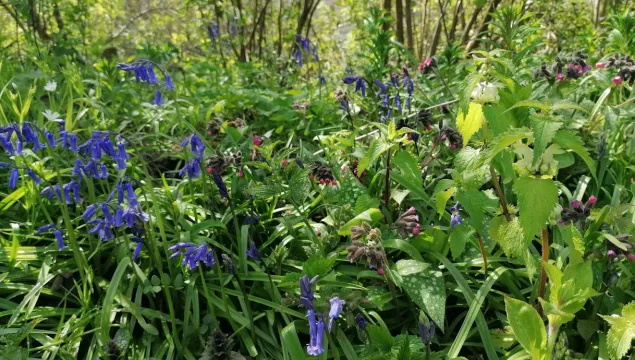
[470, 24]
[399, 10]
[474, 42]
[455, 19]
[387, 7]
[445, 28]
[424, 29]
[409, 30]
[280, 29]
[308, 27]
[437, 35]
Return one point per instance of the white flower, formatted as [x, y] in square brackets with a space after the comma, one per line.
[52, 116]
[50, 86]
[91, 92]
[485, 92]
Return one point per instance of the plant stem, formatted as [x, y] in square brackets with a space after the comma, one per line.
[500, 193]
[545, 259]
[481, 244]
[387, 184]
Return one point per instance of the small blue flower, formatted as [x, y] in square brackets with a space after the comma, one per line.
[397, 102]
[193, 255]
[14, 175]
[322, 79]
[7, 145]
[158, 99]
[360, 321]
[222, 188]
[90, 212]
[251, 219]
[382, 87]
[213, 30]
[137, 249]
[253, 252]
[337, 305]
[349, 79]
[56, 232]
[316, 334]
[50, 138]
[306, 291]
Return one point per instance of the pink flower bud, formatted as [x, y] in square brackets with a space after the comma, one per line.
[380, 271]
[600, 65]
[576, 204]
[559, 77]
[617, 80]
[257, 140]
[587, 68]
[630, 256]
[611, 254]
[592, 200]
[240, 173]
[416, 230]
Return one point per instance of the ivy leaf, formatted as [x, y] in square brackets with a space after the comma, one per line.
[477, 204]
[375, 150]
[536, 200]
[469, 124]
[568, 140]
[527, 326]
[544, 131]
[622, 331]
[458, 238]
[426, 288]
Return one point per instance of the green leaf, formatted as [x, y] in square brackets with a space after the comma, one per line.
[407, 164]
[622, 331]
[404, 351]
[544, 130]
[441, 199]
[375, 150]
[469, 124]
[567, 105]
[410, 267]
[568, 140]
[365, 202]
[527, 326]
[370, 216]
[266, 191]
[598, 104]
[468, 159]
[318, 265]
[536, 200]
[109, 298]
[458, 238]
[529, 103]
[502, 142]
[300, 186]
[497, 121]
[380, 338]
[511, 239]
[465, 90]
[427, 290]
[291, 343]
[403, 246]
[477, 204]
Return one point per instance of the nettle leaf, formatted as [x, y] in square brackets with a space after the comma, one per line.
[266, 191]
[503, 141]
[477, 204]
[622, 331]
[536, 200]
[458, 238]
[408, 165]
[468, 159]
[375, 150]
[511, 239]
[364, 203]
[527, 326]
[443, 191]
[568, 140]
[498, 121]
[470, 124]
[318, 265]
[544, 130]
[426, 288]
[465, 90]
[300, 186]
[380, 338]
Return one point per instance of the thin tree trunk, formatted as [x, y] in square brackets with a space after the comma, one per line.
[308, 27]
[424, 29]
[470, 24]
[409, 29]
[280, 29]
[445, 28]
[387, 7]
[260, 22]
[455, 20]
[437, 36]
[474, 42]
[399, 11]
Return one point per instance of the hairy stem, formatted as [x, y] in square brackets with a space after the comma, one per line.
[500, 193]
[387, 184]
[545, 259]
[481, 245]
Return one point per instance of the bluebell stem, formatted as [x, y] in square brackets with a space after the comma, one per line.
[360, 321]
[337, 305]
[137, 249]
[14, 175]
[193, 255]
[253, 252]
[316, 334]
[56, 232]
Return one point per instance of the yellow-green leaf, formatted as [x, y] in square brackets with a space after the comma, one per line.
[470, 124]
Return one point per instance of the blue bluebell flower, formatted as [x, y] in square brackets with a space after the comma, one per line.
[193, 255]
[322, 79]
[31, 136]
[137, 249]
[307, 296]
[122, 154]
[456, 218]
[196, 144]
[297, 55]
[316, 334]
[90, 212]
[382, 87]
[192, 168]
[222, 188]
[337, 305]
[36, 179]
[4, 165]
[14, 175]
[50, 138]
[77, 169]
[253, 252]
[56, 232]
[19, 146]
[360, 321]
[251, 219]
[426, 331]
[299, 163]
[7, 145]
[169, 85]
[158, 99]
[349, 79]
[360, 85]
[397, 102]
[132, 197]
[51, 191]
[144, 72]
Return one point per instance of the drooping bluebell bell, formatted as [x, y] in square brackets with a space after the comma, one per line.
[213, 31]
[193, 255]
[158, 98]
[30, 133]
[337, 305]
[360, 321]
[426, 328]
[14, 175]
[222, 188]
[90, 211]
[253, 252]
[299, 163]
[307, 296]
[349, 79]
[316, 333]
[456, 218]
[7, 145]
[196, 144]
[56, 232]
[36, 179]
[122, 155]
[51, 191]
[192, 168]
[322, 79]
[74, 187]
[19, 145]
[360, 85]
[144, 72]
[397, 102]
[4, 165]
[297, 55]
[251, 219]
[50, 138]
[137, 249]
[382, 87]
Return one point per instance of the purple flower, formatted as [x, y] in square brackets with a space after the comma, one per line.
[213, 30]
[50, 138]
[322, 79]
[382, 87]
[7, 145]
[455, 220]
[360, 321]
[158, 98]
[337, 305]
[193, 255]
[56, 232]
[14, 175]
[137, 249]
[222, 188]
[349, 79]
[316, 334]
[90, 211]
[253, 252]
[397, 102]
[426, 332]
[306, 290]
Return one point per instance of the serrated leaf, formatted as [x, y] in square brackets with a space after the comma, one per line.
[380, 338]
[471, 123]
[318, 265]
[620, 336]
[527, 326]
[468, 159]
[536, 200]
[458, 238]
[364, 203]
[375, 150]
[497, 120]
[529, 103]
[567, 105]
[511, 239]
[544, 131]
[568, 140]
[441, 200]
[465, 90]
[477, 204]
[408, 165]
[502, 142]
[427, 290]
[299, 186]
[266, 191]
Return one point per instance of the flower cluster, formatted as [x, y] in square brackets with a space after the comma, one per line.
[193, 254]
[304, 44]
[144, 72]
[427, 65]
[456, 218]
[576, 66]
[408, 222]
[192, 168]
[360, 83]
[485, 93]
[625, 66]
[323, 175]
[366, 242]
[578, 211]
